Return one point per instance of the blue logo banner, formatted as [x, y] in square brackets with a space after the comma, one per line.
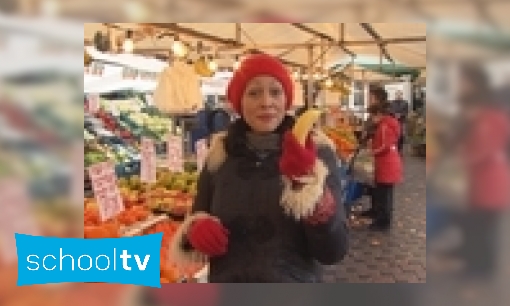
[133, 260]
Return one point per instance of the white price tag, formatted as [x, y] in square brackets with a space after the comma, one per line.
[175, 154]
[150, 99]
[93, 103]
[106, 192]
[114, 110]
[148, 163]
[202, 151]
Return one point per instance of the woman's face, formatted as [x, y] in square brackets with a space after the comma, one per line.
[372, 99]
[263, 104]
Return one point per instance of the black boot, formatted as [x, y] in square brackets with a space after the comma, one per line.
[370, 213]
[380, 226]
[384, 207]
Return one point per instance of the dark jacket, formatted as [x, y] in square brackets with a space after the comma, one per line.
[369, 128]
[400, 107]
[243, 189]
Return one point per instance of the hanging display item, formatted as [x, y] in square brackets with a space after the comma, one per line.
[178, 89]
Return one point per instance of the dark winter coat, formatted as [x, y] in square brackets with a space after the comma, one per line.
[242, 187]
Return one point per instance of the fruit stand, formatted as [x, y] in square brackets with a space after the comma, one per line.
[417, 135]
[344, 139]
[148, 209]
[114, 134]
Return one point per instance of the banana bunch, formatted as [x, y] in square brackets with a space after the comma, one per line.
[340, 88]
[304, 125]
[202, 68]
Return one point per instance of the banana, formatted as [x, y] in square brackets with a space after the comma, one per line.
[199, 68]
[202, 69]
[304, 125]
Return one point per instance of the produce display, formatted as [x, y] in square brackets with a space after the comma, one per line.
[143, 123]
[137, 212]
[122, 106]
[111, 124]
[173, 193]
[114, 134]
[117, 153]
[344, 139]
[417, 134]
[116, 227]
[169, 272]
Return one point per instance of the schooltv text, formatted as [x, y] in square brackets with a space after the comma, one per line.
[133, 260]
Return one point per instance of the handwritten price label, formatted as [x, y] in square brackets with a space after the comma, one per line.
[93, 103]
[148, 166]
[106, 192]
[175, 154]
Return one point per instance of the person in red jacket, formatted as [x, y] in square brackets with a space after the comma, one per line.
[388, 165]
[483, 150]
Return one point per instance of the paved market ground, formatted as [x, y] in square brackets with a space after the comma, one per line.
[398, 255]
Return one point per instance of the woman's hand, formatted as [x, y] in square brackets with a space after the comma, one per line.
[208, 236]
[297, 160]
[324, 210]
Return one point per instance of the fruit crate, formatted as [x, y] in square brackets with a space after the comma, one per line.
[137, 130]
[122, 170]
[170, 214]
[128, 169]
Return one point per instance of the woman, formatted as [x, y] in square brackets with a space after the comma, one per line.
[388, 165]
[484, 154]
[268, 209]
[377, 95]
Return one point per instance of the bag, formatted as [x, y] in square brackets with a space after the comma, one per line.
[363, 168]
[449, 180]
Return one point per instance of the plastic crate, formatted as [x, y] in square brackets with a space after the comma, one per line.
[127, 169]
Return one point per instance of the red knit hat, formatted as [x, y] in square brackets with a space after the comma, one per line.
[253, 66]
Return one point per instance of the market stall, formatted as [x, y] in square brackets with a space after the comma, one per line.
[144, 95]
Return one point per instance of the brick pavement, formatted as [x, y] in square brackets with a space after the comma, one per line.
[397, 256]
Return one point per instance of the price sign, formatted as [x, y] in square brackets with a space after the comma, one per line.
[150, 99]
[16, 216]
[148, 162]
[175, 154]
[202, 151]
[106, 192]
[93, 103]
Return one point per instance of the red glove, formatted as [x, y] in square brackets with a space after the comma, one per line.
[208, 236]
[324, 211]
[297, 160]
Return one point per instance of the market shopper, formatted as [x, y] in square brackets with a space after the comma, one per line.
[377, 96]
[387, 164]
[483, 150]
[247, 220]
[400, 110]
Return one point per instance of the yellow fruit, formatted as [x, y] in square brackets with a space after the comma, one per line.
[92, 205]
[304, 125]
[202, 69]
